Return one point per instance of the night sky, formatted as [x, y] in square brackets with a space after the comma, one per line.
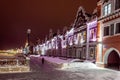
[16, 16]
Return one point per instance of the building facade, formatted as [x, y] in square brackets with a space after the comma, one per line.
[108, 35]
[73, 42]
[80, 34]
[91, 37]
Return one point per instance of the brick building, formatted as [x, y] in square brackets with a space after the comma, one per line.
[108, 36]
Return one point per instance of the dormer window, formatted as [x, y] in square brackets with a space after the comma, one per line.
[117, 4]
[107, 9]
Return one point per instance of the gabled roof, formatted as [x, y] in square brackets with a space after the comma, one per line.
[81, 18]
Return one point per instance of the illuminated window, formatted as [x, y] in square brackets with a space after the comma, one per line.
[84, 35]
[79, 38]
[91, 33]
[117, 28]
[71, 40]
[117, 4]
[75, 39]
[107, 9]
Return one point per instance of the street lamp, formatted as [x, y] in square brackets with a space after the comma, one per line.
[28, 36]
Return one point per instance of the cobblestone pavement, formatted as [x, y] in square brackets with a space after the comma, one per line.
[48, 71]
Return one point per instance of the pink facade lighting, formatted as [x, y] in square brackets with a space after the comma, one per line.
[53, 45]
[70, 40]
[63, 42]
[49, 45]
[69, 36]
[92, 30]
[54, 42]
[71, 32]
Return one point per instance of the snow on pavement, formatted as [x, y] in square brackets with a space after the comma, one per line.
[56, 60]
[94, 73]
[69, 63]
[85, 70]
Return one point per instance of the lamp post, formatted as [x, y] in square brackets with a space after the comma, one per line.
[28, 36]
[28, 41]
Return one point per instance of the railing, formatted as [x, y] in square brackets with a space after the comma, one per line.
[14, 62]
[14, 65]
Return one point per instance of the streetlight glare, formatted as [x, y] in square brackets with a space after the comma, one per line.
[28, 31]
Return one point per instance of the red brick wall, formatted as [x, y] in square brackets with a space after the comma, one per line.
[98, 10]
[111, 42]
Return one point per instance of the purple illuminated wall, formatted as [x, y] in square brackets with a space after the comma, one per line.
[92, 30]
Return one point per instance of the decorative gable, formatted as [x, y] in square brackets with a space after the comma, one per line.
[81, 18]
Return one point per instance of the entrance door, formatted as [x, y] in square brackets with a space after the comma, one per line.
[80, 56]
[113, 60]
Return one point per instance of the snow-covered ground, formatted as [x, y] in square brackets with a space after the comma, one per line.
[85, 70]
[82, 65]
[56, 60]
[93, 74]
[70, 63]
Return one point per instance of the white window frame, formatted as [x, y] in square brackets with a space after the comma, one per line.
[103, 9]
[103, 31]
[115, 5]
[115, 29]
[110, 30]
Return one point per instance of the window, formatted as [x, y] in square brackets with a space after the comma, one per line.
[70, 40]
[75, 39]
[107, 9]
[92, 52]
[79, 38]
[117, 4]
[83, 53]
[84, 35]
[117, 28]
[106, 31]
[91, 33]
[112, 29]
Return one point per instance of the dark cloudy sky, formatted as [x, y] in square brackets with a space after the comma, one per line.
[16, 16]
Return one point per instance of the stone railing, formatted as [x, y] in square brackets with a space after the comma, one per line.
[14, 65]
